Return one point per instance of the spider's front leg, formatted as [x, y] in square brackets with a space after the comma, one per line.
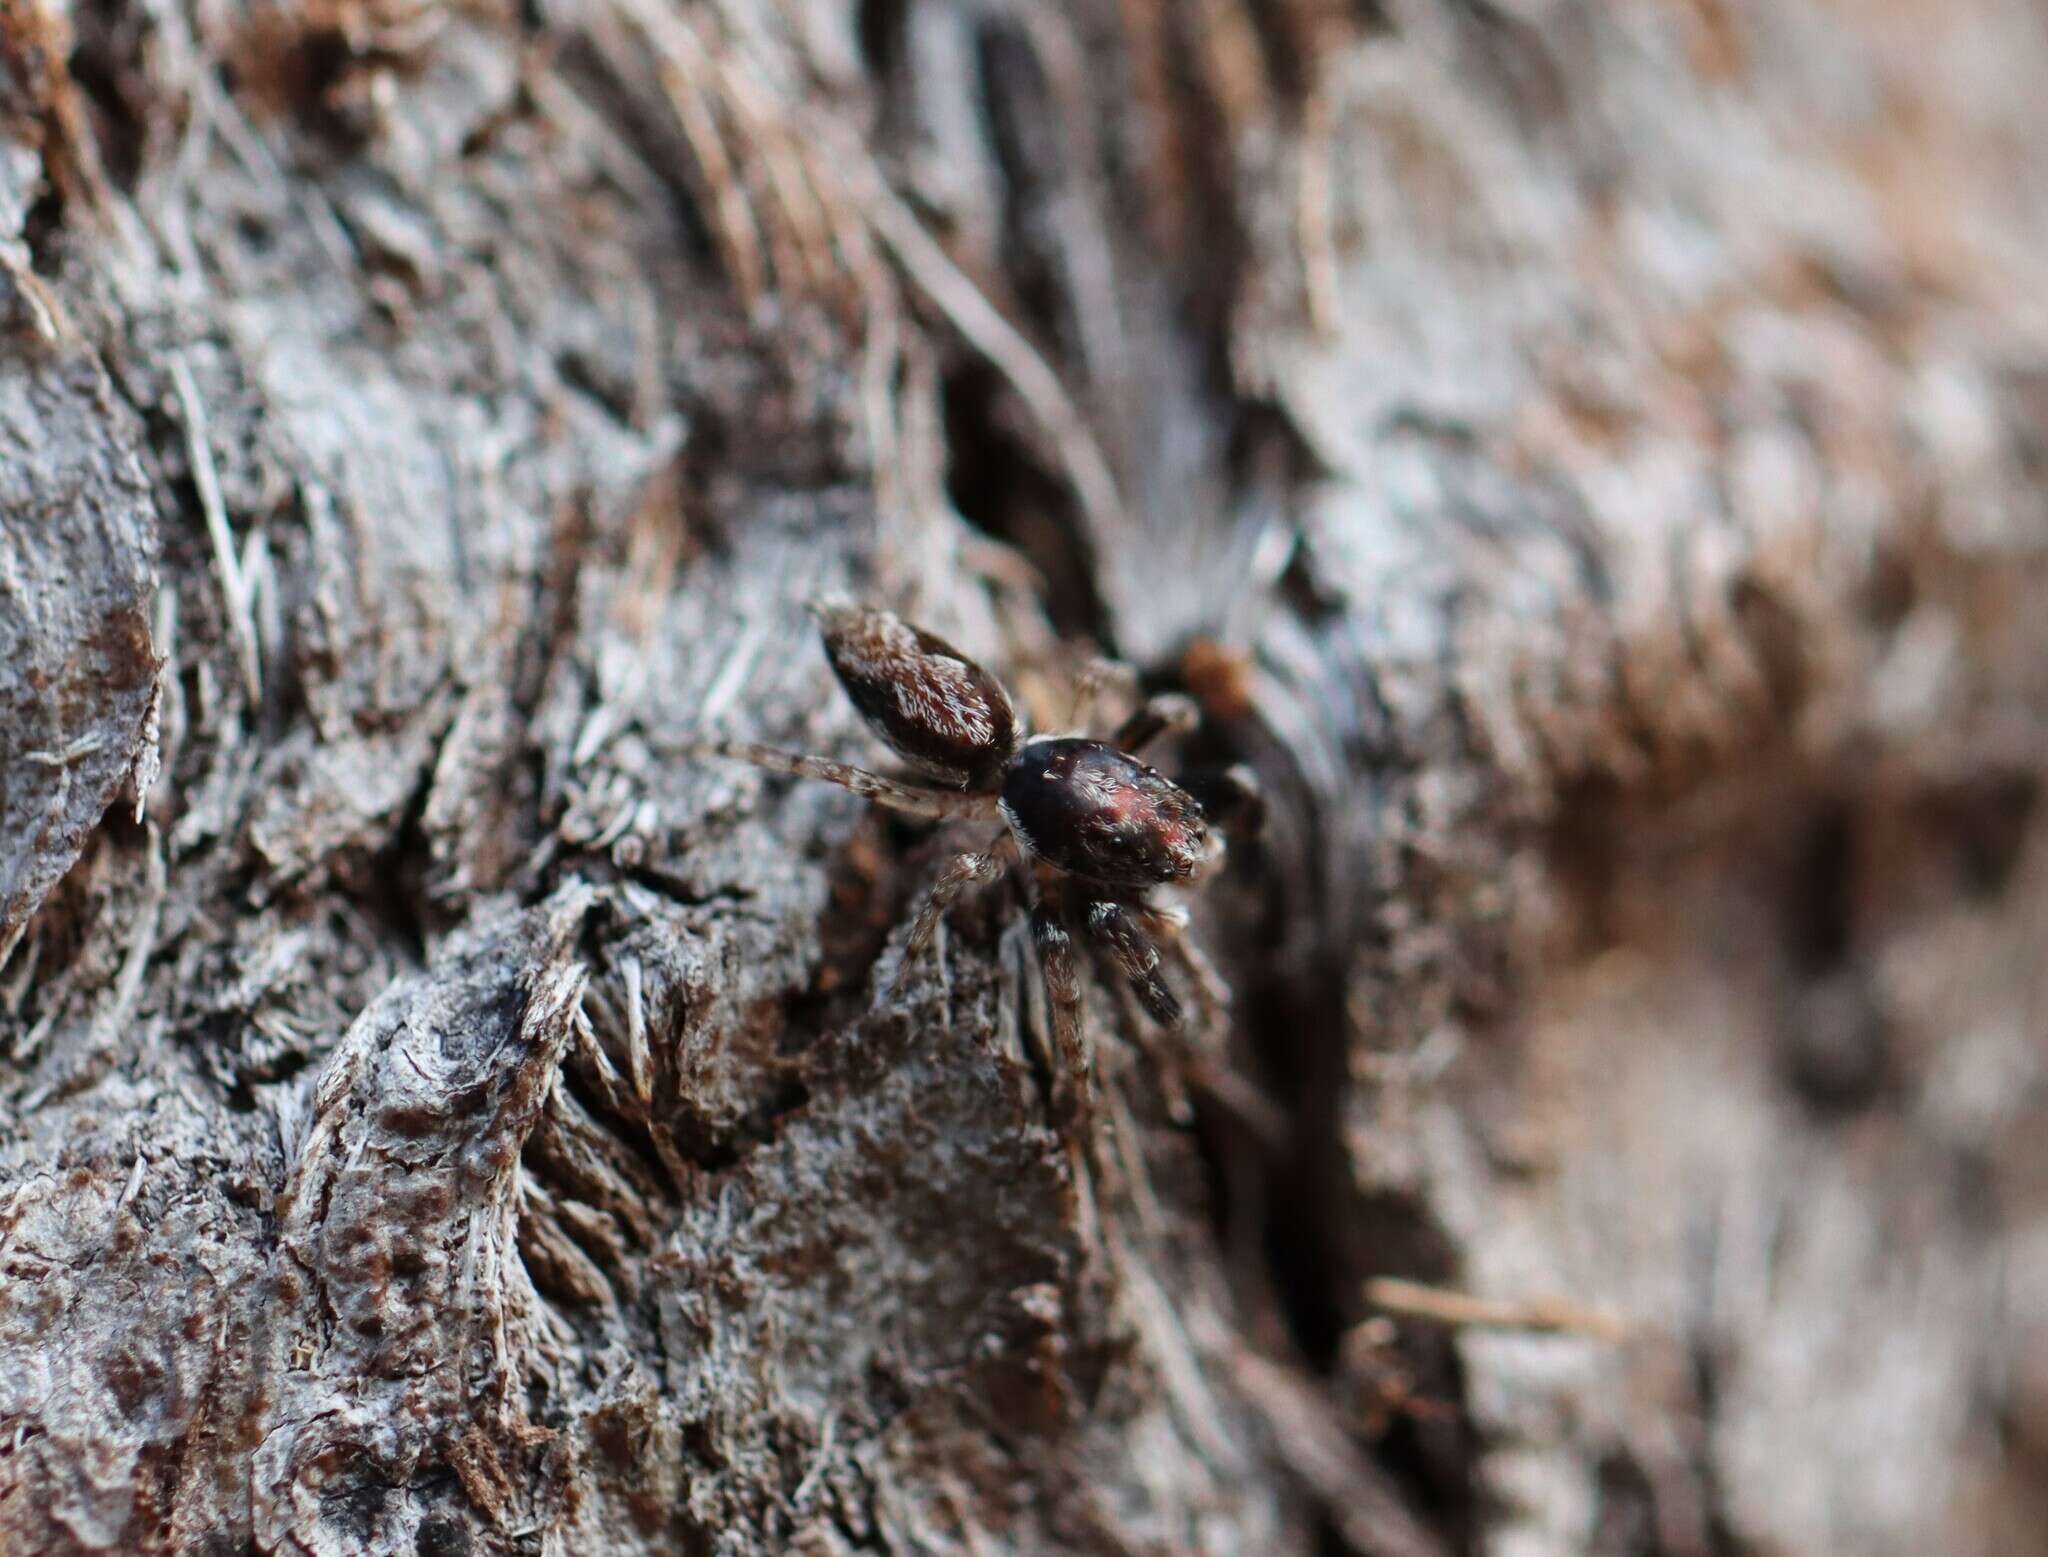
[1073, 1097]
[1169, 927]
[1200, 1064]
[1116, 927]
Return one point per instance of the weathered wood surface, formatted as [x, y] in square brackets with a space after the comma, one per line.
[1587, 457]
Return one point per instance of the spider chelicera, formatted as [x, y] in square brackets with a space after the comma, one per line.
[1096, 828]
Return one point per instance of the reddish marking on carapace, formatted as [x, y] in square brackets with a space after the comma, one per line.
[1095, 812]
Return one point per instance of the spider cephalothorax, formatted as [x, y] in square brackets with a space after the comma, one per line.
[1097, 827]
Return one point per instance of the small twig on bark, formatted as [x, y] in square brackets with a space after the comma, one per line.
[234, 587]
[1414, 1300]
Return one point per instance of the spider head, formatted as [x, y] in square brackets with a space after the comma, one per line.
[933, 706]
[1088, 809]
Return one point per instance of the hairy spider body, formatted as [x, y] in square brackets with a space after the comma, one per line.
[1098, 827]
[933, 706]
[1090, 810]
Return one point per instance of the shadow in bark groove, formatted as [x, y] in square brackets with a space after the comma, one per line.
[1000, 485]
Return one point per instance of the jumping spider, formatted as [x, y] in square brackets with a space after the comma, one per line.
[1097, 828]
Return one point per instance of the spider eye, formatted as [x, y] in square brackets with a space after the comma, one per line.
[934, 707]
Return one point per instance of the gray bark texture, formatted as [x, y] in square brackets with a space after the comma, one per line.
[1588, 458]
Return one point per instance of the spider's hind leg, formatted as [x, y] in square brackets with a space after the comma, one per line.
[912, 799]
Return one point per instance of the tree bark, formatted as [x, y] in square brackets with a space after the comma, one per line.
[1586, 458]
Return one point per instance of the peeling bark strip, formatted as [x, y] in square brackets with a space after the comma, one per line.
[1585, 458]
[78, 544]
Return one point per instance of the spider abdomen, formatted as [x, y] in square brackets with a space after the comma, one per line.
[937, 710]
[1092, 811]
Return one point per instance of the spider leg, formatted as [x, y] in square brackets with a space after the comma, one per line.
[1063, 997]
[1169, 927]
[964, 871]
[1166, 713]
[1206, 1069]
[897, 796]
[1097, 677]
[1230, 797]
[1117, 928]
